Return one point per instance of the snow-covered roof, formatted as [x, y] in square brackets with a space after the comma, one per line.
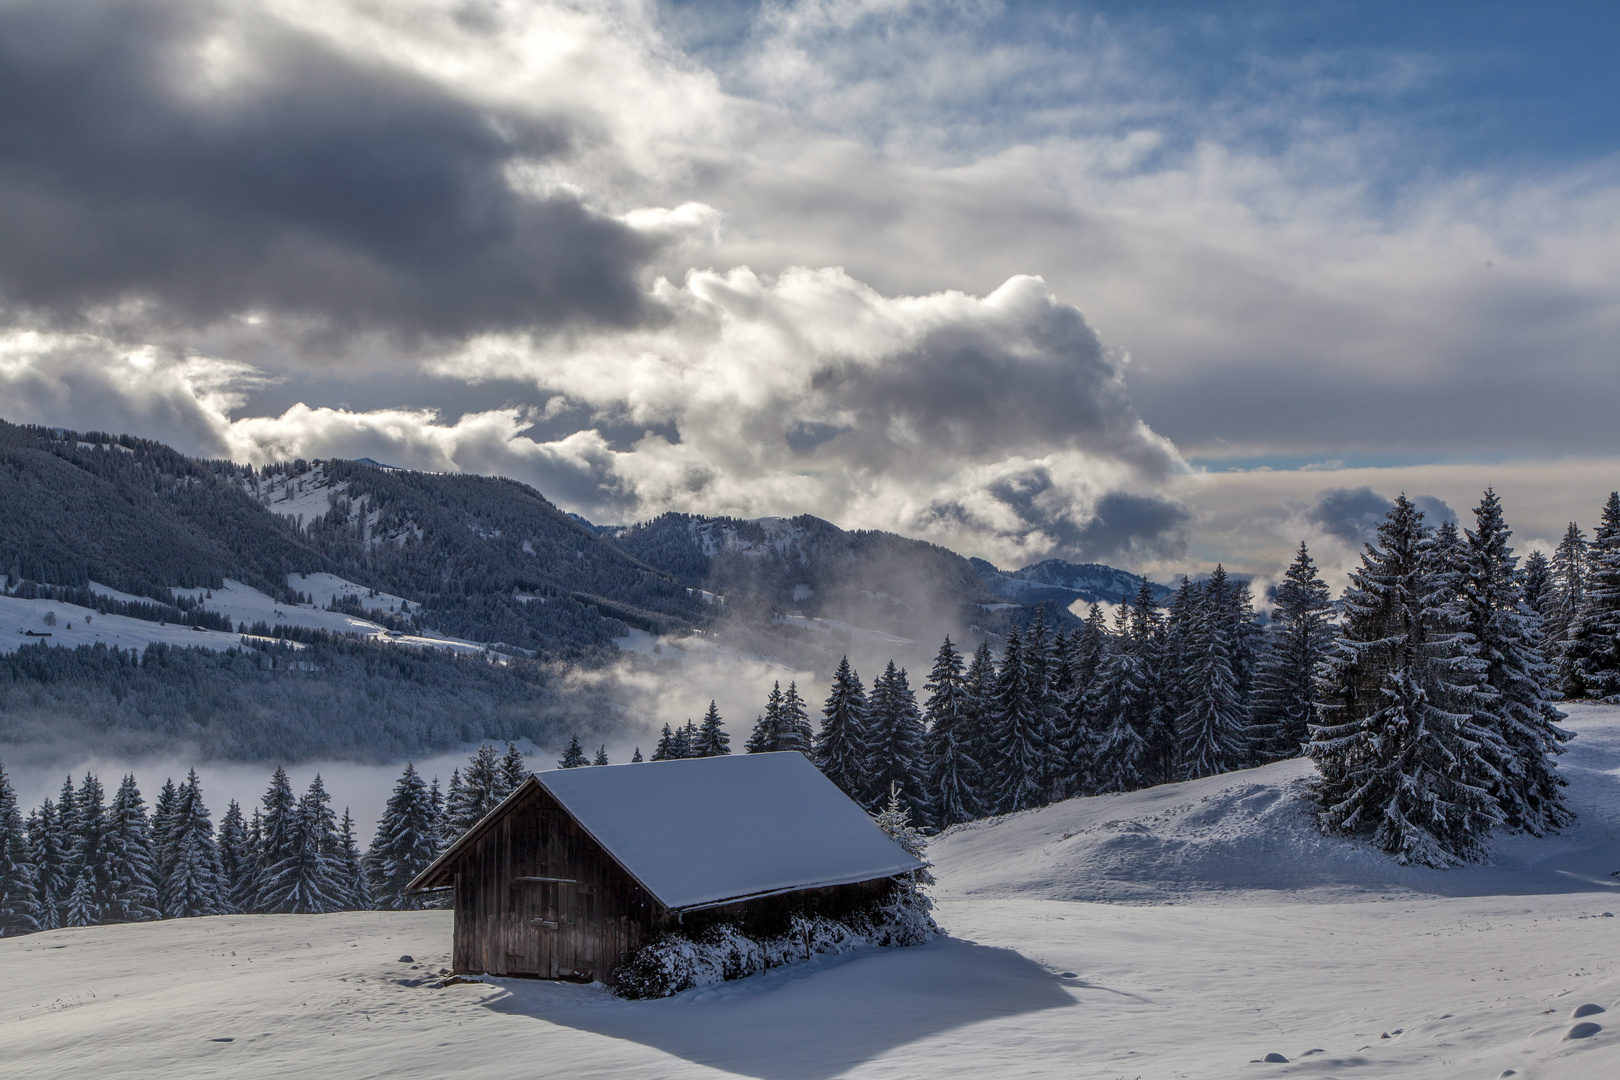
[704, 831]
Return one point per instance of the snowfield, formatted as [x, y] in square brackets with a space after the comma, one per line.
[1192, 930]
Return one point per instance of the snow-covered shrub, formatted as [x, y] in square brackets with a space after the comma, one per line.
[675, 962]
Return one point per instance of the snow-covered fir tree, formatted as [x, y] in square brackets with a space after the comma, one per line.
[976, 729]
[665, 750]
[87, 832]
[1535, 581]
[19, 898]
[448, 833]
[1285, 680]
[235, 853]
[793, 730]
[483, 786]
[841, 748]
[767, 733]
[601, 757]
[686, 740]
[81, 908]
[573, 757]
[193, 885]
[405, 843]
[306, 881]
[636, 758]
[277, 821]
[353, 886]
[1210, 727]
[1593, 640]
[163, 835]
[47, 851]
[894, 743]
[244, 895]
[1048, 669]
[1121, 709]
[514, 770]
[1507, 637]
[910, 909]
[131, 865]
[712, 740]
[1567, 592]
[952, 772]
[1020, 750]
[1401, 752]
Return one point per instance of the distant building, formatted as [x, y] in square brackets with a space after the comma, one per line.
[578, 868]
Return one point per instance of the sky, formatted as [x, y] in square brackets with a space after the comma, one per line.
[1153, 284]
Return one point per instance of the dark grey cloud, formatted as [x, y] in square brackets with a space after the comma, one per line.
[343, 194]
[1122, 526]
[1353, 514]
[1027, 376]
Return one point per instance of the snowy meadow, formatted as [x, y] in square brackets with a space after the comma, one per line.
[1190, 929]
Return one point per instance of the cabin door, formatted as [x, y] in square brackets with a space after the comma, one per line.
[553, 928]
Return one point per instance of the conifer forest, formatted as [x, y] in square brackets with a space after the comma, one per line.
[1426, 696]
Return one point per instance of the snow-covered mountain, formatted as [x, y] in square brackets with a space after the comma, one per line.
[1060, 584]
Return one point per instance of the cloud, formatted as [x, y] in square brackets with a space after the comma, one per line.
[1353, 514]
[175, 165]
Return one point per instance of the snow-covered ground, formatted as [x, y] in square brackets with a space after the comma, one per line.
[242, 603]
[89, 626]
[1234, 933]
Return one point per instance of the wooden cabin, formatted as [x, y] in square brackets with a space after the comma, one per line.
[578, 868]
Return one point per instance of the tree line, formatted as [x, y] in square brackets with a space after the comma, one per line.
[1427, 705]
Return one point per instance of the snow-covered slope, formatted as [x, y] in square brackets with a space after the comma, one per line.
[241, 603]
[1253, 831]
[1409, 979]
[84, 626]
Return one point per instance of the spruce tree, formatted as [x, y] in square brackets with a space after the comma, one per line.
[1400, 750]
[1019, 750]
[601, 757]
[193, 886]
[235, 854]
[1186, 618]
[1507, 636]
[47, 851]
[1535, 581]
[277, 821]
[306, 881]
[1285, 683]
[514, 770]
[19, 898]
[1565, 596]
[712, 740]
[482, 788]
[841, 747]
[767, 734]
[405, 843]
[1048, 668]
[87, 836]
[793, 730]
[1594, 639]
[447, 822]
[131, 864]
[82, 909]
[976, 729]
[686, 740]
[894, 741]
[353, 887]
[665, 749]
[244, 895]
[1210, 729]
[952, 773]
[573, 758]
[635, 758]
[1121, 709]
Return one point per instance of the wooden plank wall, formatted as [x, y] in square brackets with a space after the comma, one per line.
[591, 916]
[582, 924]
